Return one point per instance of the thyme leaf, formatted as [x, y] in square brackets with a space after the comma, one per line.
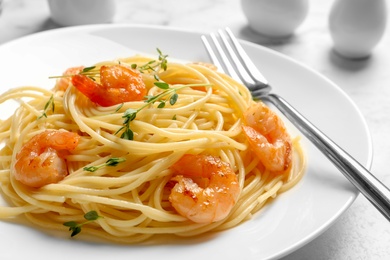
[162, 85]
[173, 99]
[76, 227]
[119, 107]
[154, 65]
[163, 60]
[87, 69]
[46, 107]
[128, 134]
[110, 162]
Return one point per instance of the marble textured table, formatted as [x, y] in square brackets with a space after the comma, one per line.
[362, 232]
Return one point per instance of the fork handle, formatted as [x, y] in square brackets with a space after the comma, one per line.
[374, 190]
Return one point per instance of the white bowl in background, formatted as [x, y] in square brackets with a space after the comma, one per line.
[79, 12]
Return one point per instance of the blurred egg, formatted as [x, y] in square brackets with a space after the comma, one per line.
[275, 18]
[78, 12]
[356, 26]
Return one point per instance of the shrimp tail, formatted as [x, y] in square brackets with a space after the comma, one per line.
[88, 87]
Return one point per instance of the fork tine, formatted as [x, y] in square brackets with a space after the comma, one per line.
[239, 68]
[232, 57]
[222, 62]
[250, 66]
[211, 53]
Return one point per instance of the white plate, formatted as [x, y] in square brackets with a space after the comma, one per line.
[291, 221]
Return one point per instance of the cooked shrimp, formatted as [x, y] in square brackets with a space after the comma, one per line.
[213, 201]
[268, 137]
[41, 160]
[118, 84]
[64, 82]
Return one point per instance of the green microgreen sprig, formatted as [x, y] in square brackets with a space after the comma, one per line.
[170, 92]
[48, 104]
[91, 72]
[110, 162]
[153, 65]
[76, 227]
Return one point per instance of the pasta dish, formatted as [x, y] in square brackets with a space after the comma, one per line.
[136, 147]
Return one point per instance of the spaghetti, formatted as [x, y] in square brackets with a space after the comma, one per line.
[198, 111]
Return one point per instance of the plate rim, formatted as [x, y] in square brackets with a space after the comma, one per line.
[369, 159]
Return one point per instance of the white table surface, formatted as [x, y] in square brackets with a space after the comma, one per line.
[362, 232]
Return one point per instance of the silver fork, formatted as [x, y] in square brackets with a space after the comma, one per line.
[232, 56]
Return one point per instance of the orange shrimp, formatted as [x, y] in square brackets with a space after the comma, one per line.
[268, 137]
[213, 201]
[118, 84]
[64, 82]
[41, 160]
